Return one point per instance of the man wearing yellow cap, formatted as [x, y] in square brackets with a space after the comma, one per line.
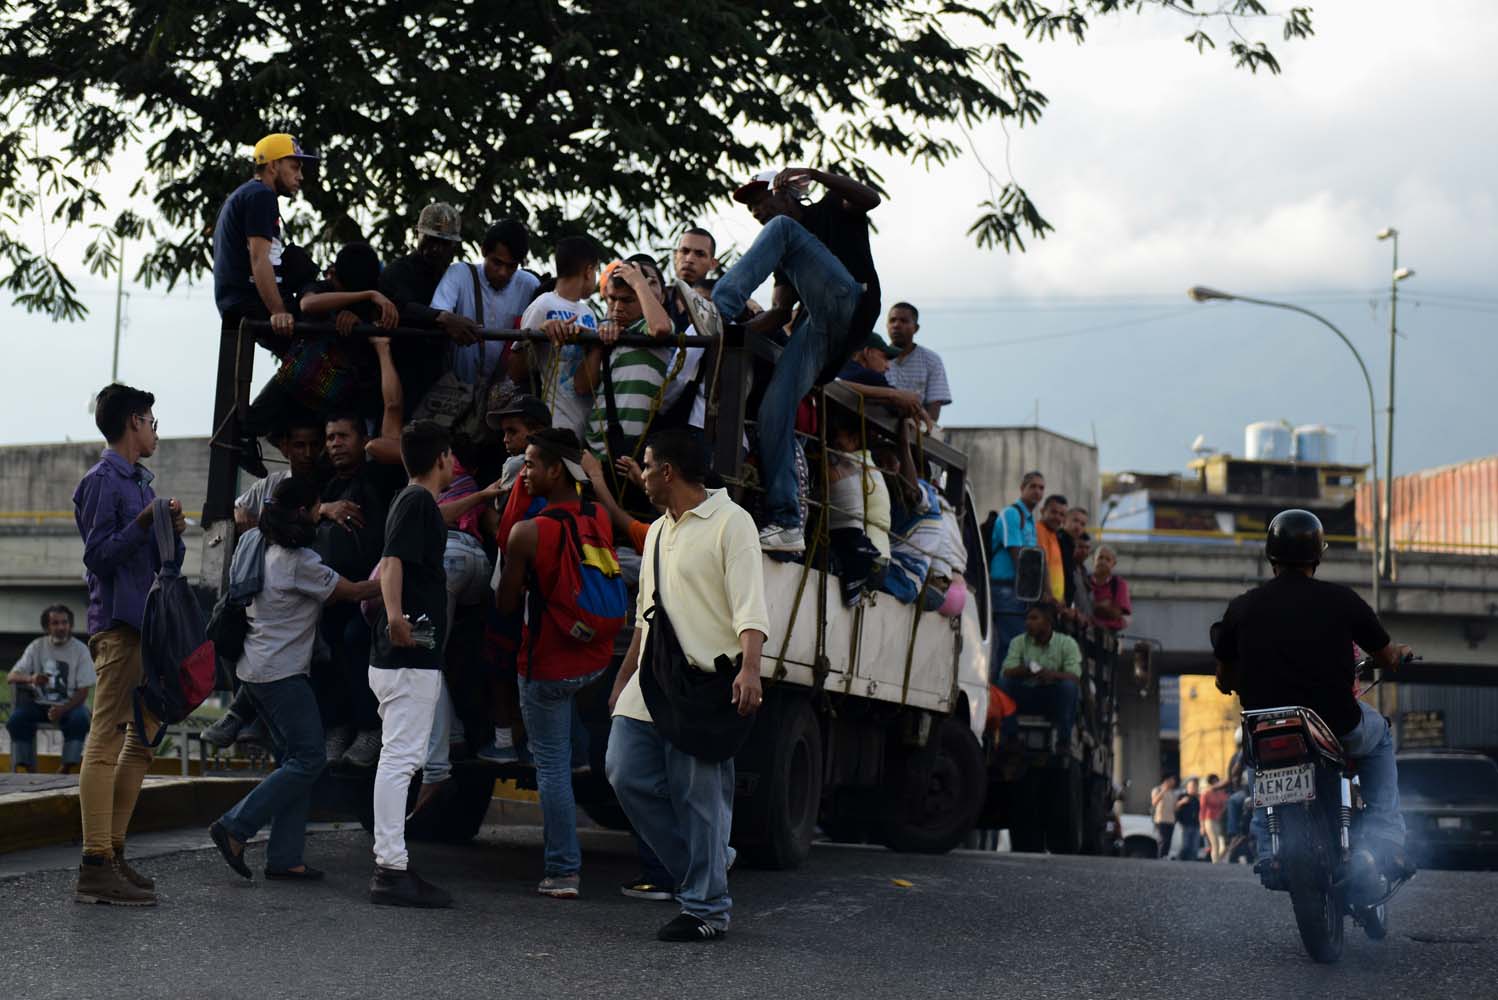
[247, 257]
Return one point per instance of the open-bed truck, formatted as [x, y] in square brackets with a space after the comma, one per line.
[874, 716]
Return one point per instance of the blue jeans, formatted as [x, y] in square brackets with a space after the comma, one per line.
[1191, 842]
[1057, 702]
[288, 710]
[1008, 623]
[556, 740]
[828, 297]
[26, 716]
[679, 806]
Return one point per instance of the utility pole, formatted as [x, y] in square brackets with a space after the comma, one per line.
[119, 305]
[1386, 563]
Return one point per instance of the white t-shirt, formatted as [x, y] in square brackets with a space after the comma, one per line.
[568, 409]
[284, 615]
[66, 668]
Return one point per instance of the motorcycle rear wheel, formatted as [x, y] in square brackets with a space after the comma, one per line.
[1319, 909]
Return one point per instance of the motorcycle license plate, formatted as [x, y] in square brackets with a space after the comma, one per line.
[1284, 785]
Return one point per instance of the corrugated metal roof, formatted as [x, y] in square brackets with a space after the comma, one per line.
[1444, 509]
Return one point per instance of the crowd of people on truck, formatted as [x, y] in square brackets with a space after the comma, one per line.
[1037, 669]
[468, 531]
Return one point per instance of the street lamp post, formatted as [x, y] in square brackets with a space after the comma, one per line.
[1386, 563]
[1200, 294]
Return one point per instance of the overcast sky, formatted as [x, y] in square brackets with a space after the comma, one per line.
[1160, 169]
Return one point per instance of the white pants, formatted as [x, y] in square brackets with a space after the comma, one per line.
[408, 702]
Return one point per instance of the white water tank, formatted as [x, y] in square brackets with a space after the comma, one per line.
[1315, 443]
[1267, 441]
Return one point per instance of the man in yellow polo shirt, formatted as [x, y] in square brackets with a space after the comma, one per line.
[710, 579]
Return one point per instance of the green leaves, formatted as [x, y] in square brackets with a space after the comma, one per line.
[625, 118]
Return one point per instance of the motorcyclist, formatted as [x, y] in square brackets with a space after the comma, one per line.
[1289, 641]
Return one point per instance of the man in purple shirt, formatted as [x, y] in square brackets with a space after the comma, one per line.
[112, 506]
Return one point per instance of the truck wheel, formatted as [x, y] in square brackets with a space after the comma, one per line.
[458, 811]
[783, 761]
[1063, 814]
[932, 796]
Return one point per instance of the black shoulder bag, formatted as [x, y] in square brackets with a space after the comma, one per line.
[693, 709]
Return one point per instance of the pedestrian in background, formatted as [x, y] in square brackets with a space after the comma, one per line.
[1214, 818]
[1163, 803]
[1188, 818]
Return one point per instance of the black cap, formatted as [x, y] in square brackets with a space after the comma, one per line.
[526, 407]
[1295, 539]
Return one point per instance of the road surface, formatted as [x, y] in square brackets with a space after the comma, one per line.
[854, 922]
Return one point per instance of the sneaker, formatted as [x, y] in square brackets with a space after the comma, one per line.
[559, 886]
[685, 927]
[365, 750]
[774, 538]
[642, 888]
[394, 887]
[499, 755]
[224, 732]
[337, 743]
[99, 881]
[132, 876]
[706, 321]
[224, 842]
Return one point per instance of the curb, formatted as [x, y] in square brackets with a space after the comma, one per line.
[50, 818]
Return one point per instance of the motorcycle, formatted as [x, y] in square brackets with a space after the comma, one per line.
[1309, 790]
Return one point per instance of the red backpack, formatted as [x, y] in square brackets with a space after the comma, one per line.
[585, 602]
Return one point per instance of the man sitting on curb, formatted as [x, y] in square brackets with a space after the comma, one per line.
[51, 682]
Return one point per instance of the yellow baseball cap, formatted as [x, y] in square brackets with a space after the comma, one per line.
[279, 146]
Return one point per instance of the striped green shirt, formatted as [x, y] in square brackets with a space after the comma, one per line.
[639, 375]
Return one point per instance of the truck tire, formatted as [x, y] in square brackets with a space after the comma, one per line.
[458, 811]
[932, 796]
[783, 760]
[1064, 809]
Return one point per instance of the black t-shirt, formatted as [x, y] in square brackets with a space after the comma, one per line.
[415, 534]
[353, 551]
[845, 231]
[410, 283]
[1291, 640]
[1189, 812]
[251, 210]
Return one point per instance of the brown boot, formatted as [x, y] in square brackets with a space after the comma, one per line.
[100, 881]
[132, 876]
